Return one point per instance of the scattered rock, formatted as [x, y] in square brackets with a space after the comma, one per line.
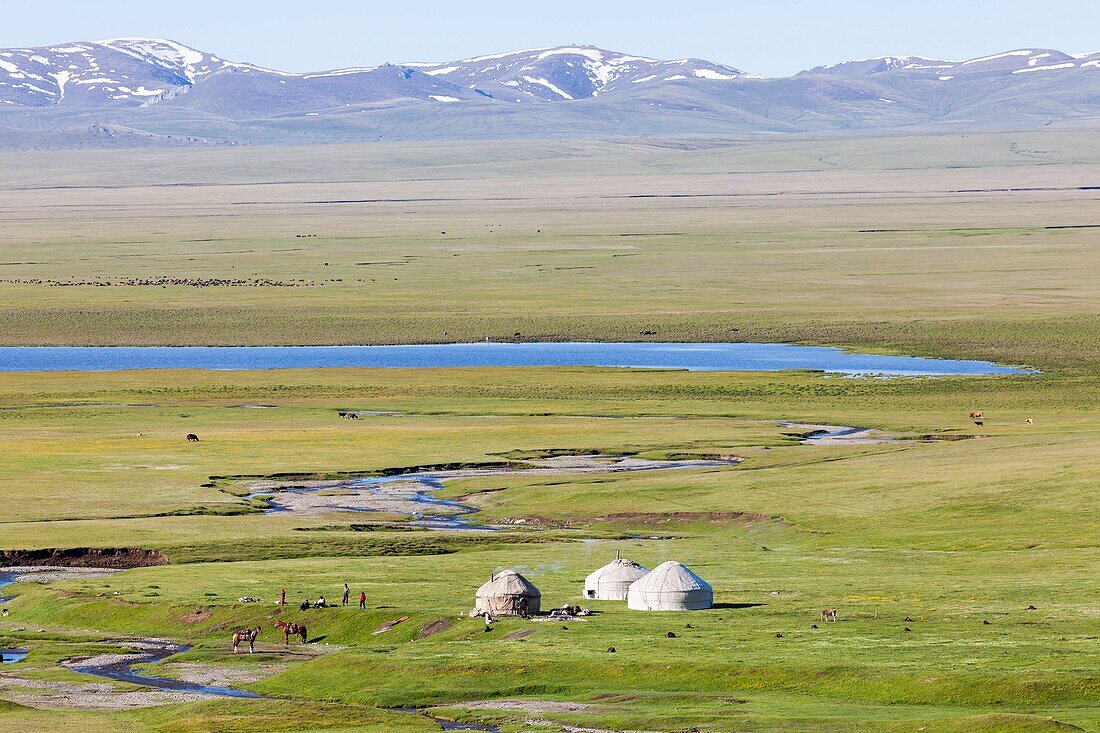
[610, 650]
[1032, 608]
[779, 636]
[813, 626]
[670, 635]
[908, 629]
[985, 622]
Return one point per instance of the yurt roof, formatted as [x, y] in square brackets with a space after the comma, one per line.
[671, 577]
[619, 567]
[508, 583]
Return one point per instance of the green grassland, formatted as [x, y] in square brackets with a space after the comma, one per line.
[949, 533]
[913, 245]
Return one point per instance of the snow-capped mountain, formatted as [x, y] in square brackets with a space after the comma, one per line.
[140, 91]
[144, 71]
[568, 72]
[879, 65]
[133, 72]
[1020, 61]
[81, 75]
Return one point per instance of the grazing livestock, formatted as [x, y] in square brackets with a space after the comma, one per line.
[979, 423]
[192, 438]
[829, 614]
[245, 635]
[291, 629]
[976, 414]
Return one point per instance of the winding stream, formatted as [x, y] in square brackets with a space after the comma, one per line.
[120, 668]
[412, 494]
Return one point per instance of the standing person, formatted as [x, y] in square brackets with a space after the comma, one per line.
[347, 594]
[362, 600]
[282, 596]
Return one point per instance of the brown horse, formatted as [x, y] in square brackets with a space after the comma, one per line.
[245, 635]
[292, 629]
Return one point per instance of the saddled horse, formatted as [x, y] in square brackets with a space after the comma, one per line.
[245, 635]
[292, 629]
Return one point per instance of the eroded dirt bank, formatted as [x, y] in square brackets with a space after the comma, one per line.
[115, 558]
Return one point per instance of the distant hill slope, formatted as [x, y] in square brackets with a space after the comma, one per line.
[145, 92]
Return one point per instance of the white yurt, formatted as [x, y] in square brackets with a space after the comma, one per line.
[508, 594]
[670, 587]
[612, 581]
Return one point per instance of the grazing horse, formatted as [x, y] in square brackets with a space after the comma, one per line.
[976, 414]
[192, 438]
[248, 635]
[829, 614]
[292, 629]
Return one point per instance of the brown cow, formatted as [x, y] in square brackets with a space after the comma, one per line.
[976, 414]
[829, 614]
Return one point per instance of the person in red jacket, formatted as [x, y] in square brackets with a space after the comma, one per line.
[362, 600]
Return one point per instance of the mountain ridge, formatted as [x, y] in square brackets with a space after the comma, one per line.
[161, 91]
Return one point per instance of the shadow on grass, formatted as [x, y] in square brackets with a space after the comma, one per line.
[738, 605]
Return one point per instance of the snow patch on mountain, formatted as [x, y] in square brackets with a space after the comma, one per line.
[1051, 67]
[996, 57]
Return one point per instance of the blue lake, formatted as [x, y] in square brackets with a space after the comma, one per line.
[693, 357]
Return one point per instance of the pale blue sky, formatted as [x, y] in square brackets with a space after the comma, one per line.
[774, 37]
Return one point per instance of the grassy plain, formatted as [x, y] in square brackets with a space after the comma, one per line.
[958, 244]
[917, 543]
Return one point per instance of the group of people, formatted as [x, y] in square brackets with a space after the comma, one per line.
[321, 602]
